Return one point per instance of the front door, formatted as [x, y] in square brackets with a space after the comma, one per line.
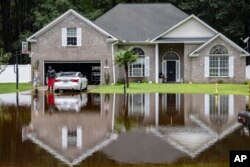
[171, 71]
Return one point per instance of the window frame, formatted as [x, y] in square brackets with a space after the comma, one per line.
[217, 55]
[71, 36]
[140, 61]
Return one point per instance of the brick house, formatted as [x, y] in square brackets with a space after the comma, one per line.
[181, 47]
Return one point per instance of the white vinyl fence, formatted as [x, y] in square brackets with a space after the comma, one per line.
[9, 74]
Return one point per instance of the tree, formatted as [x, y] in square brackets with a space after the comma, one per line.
[4, 58]
[124, 58]
[49, 10]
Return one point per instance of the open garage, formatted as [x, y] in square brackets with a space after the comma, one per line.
[90, 69]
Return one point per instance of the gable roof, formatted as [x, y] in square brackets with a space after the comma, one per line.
[219, 35]
[204, 136]
[184, 21]
[61, 17]
[60, 155]
[140, 22]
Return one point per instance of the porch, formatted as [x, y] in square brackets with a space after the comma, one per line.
[169, 62]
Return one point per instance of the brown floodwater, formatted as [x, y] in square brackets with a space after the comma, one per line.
[81, 129]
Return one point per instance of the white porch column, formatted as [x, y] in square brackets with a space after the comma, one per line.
[156, 63]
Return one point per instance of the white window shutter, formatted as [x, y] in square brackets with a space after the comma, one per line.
[79, 36]
[147, 66]
[64, 36]
[64, 137]
[79, 137]
[231, 66]
[206, 65]
[207, 105]
[147, 104]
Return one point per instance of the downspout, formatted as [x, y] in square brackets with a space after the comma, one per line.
[113, 60]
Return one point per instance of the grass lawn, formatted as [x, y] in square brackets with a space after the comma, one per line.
[240, 89]
[11, 87]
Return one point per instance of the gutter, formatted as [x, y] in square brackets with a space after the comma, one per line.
[113, 59]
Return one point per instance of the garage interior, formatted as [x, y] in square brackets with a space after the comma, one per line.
[90, 69]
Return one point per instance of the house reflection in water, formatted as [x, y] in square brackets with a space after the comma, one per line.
[71, 127]
[207, 119]
[154, 128]
[177, 125]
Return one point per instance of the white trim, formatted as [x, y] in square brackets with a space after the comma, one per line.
[184, 41]
[135, 42]
[182, 22]
[61, 17]
[77, 160]
[156, 63]
[231, 43]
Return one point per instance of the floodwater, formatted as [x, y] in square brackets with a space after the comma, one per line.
[80, 129]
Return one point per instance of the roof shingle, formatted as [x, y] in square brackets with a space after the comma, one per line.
[140, 22]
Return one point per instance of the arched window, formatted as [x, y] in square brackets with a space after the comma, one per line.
[170, 56]
[138, 51]
[218, 50]
[137, 69]
[218, 61]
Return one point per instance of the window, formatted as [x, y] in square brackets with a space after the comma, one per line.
[218, 109]
[218, 66]
[71, 137]
[139, 105]
[137, 69]
[71, 36]
[218, 61]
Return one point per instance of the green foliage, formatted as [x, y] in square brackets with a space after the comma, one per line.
[228, 17]
[49, 10]
[240, 89]
[4, 58]
[124, 58]
[11, 87]
[231, 18]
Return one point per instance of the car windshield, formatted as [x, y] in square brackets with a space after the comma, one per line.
[67, 74]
